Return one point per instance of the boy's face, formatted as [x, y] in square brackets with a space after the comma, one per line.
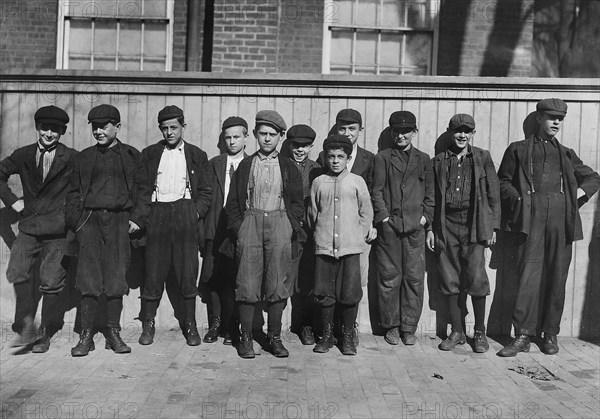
[172, 131]
[267, 137]
[461, 136]
[106, 133]
[403, 136]
[48, 133]
[350, 131]
[300, 151]
[549, 124]
[235, 140]
[337, 159]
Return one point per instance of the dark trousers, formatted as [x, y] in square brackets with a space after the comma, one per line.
[305, 311]
[171, 243]
[400, 277]
[544, 259]
[337, 280]
[104, 254]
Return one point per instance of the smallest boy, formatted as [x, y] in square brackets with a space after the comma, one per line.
[341, 215]
[300, 139]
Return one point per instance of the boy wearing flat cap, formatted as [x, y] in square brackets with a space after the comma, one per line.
[100, 209]
[542, 185]
[300, 139]
[217, 278]
[403, 205]
[341, 216]
[465, 221]
[173, 197]
[264, 213]
[44, 173]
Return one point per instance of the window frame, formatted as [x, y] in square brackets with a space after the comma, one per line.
[63, 35]
[329, 10]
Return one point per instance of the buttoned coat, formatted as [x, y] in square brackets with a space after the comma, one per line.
[516, 187]
[44, 212]
[486, 199]
[402, 190]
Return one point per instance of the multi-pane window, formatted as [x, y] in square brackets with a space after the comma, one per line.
[379, 37]
[115, 34]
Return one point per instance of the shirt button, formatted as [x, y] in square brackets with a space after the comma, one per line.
[335, 250]
[337, 235]
[458, 177]
[336, 199]
[266, 215]
[457, 189]
[336, 217]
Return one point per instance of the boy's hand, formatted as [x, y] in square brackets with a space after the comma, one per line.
[430, 240]
[133, 227]
[18, 206]
[385, 220]
[491, 241]
[423, 220]
[371, 235]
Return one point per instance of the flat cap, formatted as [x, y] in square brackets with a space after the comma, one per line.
[552, 106]
[461, 120]
[51, 114]
[403, 119]
[301, 134]
[338, 141]
[234, 121]
[271, 118]
[348, 116]
[104, 113]
[169, 112]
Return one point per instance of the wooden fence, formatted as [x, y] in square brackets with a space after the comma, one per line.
[500, 107]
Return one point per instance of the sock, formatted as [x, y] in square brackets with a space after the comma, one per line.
[275, 313]
[479, 312]
[190, 309]
[24, 303]
[455, 313]
[114, 307]
[349, 313]
[89, 305]
[246, 316]
[327, 314]
[151, 309]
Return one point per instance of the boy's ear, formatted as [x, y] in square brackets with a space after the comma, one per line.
[350, 157]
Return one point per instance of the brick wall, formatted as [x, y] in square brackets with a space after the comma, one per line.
[28, 34]
[179, 35]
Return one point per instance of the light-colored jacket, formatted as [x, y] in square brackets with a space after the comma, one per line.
[340, 213]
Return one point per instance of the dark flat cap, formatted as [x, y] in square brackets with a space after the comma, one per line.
[104, 113]
[461, 120]
[348, 116]
[169, 112]
[301, 134]
[271, 118]
[338, 141]
[234, 121]
[51, 114]
[552, 106]
[403, 119]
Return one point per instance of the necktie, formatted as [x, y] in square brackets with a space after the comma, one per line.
[231, 171]
[40, 166]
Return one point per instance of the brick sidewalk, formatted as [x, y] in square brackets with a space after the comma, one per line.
[170, 379]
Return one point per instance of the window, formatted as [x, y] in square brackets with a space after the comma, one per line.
[379, 37]
[115, 34]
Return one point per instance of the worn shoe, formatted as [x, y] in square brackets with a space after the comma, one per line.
[355, 336]
[227, 340]
[276, 346]
[408, 338]
[550, 346]
[393, 336]
[214, 330]
[28, 334]
[307, 337]
[480, 343]
[348, 347]
[245, 348]
[114, 341]
[451, 341]
[192, 337]
[148, 330]
[85, 344]
[520, 343]
[327, 341]
[43, 343]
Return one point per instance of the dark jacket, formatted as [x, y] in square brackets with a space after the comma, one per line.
[516, 187]
[195, 159]
[486, 199]
[81, 177]
[416, 190]
[44, 211]
[362, 166]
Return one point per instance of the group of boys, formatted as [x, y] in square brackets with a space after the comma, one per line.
[273, 225]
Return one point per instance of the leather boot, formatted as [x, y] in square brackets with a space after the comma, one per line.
[480, 343]
[326, 341]
[148, 330]
[348, 347]
[550, 346]
[192, 337]
[520, 343]
[245, 347]
[85, 344]
[214, 330]
[276, 345]
[114, 341]
[455, 338]
[28, 334]
[43, 343]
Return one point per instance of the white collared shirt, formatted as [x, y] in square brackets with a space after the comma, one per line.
[48, 159]
[235, 161]
[354, 151]
[171, 178]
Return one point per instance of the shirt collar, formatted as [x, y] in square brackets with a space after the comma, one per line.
[41, 148]
[450, 153]
[178, 148]
[271, 156]
[551, 141]
[115, 146]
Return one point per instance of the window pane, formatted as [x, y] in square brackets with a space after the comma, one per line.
[91, 8]
[367, 13]
[418, 53]
[79, 63]
[151, 65]
[341, 48]
[391, 14]
[105, 38]
[131, 8]
[155, 8]
[129, 64]
[339, 13]
[391, 49]
[155, 40]
[80, 37]
[417, 15]
[130, 37]
[366, 48]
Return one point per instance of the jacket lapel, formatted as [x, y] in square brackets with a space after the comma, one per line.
[361, 162]
[57, 165]
[31, 166]
[524, 154]
[221, 171]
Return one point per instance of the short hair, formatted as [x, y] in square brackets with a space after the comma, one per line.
[345, 149]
